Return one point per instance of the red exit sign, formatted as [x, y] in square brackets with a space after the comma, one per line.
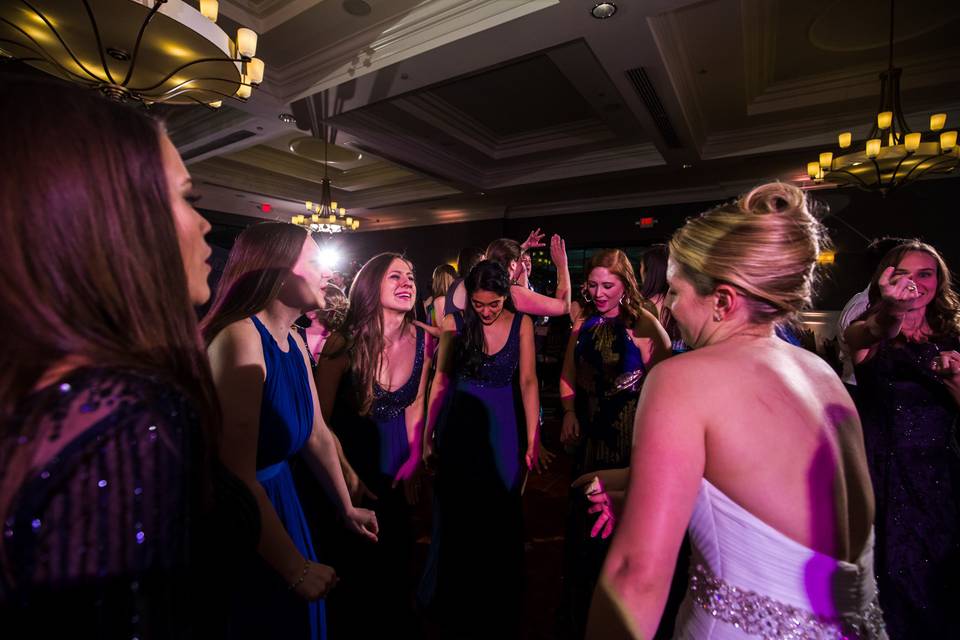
[646, 223]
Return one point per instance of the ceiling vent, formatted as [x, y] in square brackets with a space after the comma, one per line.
[644, 88]
[229, 139]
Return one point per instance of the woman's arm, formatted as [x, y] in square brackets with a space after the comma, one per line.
[667, 466]
[331, 366]
[414, 416]
[654, 340]
[897, 293]
[536, 304]
[321, 457]
[530, 391]
[236, 361]
[570, 431]
[440, 385]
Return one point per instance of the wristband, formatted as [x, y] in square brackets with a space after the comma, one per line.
[303, 576]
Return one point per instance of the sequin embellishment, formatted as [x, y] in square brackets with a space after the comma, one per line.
[764, 617]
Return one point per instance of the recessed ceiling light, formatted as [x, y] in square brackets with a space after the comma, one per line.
[287, 117]
[603, 10]
[359, 156]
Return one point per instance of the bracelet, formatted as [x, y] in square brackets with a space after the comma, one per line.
[303, 576]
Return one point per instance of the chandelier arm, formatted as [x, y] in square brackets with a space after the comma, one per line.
[851, 175]
[897, 168]
[898, 112]
[46, 58]
[136, 46]
[941, 159]
[96, 34]
[181, 90]
[184, 66]
[56, 33]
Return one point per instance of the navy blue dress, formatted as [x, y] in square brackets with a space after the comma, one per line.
[910, 432]
[268, 608]
[376, 577]
[476, 549]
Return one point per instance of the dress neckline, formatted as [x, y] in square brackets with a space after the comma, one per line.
[776, 533]
[264, 332]
[417, 352]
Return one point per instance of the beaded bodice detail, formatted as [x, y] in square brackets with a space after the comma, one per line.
[389, 404]
[748, 580]
[496, 370]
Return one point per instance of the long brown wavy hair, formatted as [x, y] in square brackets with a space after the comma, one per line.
[617, 263]
[362, 329]
[91, 263]
[260, 259]
[943, 312]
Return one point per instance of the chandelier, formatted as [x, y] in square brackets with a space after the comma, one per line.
[325, 216]
[892, 154]
[134, 50]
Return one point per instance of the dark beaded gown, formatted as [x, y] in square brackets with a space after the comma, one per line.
[910, 431]
[379, 576]
[117, 522]
[476, 549]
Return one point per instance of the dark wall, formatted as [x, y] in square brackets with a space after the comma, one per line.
[927, 210]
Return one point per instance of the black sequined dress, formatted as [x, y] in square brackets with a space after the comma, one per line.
[910, 430]
[116, 523]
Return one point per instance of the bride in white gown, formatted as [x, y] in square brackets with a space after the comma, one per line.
[751, 443]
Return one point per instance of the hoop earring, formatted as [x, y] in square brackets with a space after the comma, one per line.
[586, 296]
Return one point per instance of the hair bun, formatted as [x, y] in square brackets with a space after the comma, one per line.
[775, 197]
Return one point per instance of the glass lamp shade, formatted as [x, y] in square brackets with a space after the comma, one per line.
[826, 160]
[948, 140]
[845, 139]
[813, 170]
[937, 121]
[209, 9]
[873, 147]
[884, 118]
[246, 42]
[255, 70]
[912, 141]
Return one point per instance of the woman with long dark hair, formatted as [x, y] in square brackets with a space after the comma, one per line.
[262, 375]
[372, 378]
[905, 350]
[110, 489]
[611, 348]
[654, 287]
[477, 542]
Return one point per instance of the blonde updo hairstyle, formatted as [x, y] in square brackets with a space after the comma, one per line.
[765, 244]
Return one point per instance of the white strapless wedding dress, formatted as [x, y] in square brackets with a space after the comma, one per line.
[748, 580]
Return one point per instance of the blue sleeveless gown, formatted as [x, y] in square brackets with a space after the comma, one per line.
[268, 608]
[476, 549]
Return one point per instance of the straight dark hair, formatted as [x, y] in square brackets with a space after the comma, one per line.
[503, 251]
[91, 263]
[490, 276]
[260, 259]
[362, 329]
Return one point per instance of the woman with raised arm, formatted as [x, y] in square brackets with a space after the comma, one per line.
[751, 443]
[262, 375]
[372, 378]
[905, 350]
[508, 254]
[612, 346]
[477, 542]
[112, 498]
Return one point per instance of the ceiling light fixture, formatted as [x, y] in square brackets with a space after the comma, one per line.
[134, 50]
[892, 155]
[603, 10]
[325, 216]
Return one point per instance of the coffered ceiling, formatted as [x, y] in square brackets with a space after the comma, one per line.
[448, 110]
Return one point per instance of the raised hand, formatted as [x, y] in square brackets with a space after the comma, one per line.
[558, 252]
[533, 241]
[898, 292]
